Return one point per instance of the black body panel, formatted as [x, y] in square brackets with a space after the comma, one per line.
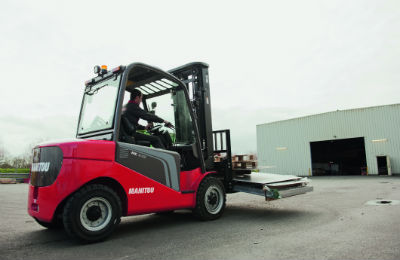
[46, 165]
[160, 165]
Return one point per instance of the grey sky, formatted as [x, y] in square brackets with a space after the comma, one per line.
[269, 60]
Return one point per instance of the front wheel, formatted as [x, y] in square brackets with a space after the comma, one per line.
[210, 199]
[92, 213]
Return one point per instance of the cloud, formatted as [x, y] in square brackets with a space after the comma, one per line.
[20, 133]
[269, 60]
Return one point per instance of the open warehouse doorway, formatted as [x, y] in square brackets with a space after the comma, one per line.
[338, 157]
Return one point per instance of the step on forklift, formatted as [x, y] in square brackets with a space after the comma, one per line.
[85, 185]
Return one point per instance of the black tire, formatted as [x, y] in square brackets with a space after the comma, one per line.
[92, 213]
[55, 224]
[210, 199]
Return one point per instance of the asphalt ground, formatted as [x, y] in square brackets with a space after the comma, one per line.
[333, 222]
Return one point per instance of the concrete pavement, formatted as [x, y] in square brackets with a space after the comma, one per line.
[333, 222]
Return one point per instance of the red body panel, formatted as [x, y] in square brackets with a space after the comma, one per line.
[86, 149]
[86, 160]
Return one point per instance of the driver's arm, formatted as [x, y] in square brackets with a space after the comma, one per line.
[148, 116]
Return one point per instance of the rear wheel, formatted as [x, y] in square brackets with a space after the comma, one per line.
[210, 199]
[92, 213]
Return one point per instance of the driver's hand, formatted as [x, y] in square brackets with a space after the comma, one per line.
[149, 126]
[168, 124]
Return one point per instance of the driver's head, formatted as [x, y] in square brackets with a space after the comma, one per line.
[136, 96]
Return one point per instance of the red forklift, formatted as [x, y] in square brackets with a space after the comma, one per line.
[87, 184]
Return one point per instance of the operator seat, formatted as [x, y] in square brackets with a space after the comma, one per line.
[127, 130]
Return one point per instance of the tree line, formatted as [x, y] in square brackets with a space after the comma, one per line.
[17, 162]
[21, 161]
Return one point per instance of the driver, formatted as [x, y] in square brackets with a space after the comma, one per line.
[133, 112]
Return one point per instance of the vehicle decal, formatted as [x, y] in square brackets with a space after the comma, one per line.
[143, 190]
[40, 167]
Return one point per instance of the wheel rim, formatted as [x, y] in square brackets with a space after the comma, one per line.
[96, 214]
[213, 199]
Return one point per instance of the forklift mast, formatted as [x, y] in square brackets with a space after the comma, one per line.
[195, 77]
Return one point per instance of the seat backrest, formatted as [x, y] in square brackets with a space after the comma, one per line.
[127, 129]
[127, 132]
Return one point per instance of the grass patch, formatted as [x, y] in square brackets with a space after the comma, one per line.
[13, 170]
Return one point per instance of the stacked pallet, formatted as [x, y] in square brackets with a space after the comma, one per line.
[245, 161]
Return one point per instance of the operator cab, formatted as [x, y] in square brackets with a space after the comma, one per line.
[168, 101]
[106, 95]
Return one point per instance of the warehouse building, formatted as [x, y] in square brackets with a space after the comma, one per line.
[349, 142]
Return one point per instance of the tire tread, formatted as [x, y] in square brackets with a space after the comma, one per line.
[71, 203]
[200, 210]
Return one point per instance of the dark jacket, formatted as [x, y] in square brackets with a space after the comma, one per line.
[133, 112]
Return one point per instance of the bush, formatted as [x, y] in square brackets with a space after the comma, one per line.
[6, 170]
[22, 170]
[5, 165]
[12, 170]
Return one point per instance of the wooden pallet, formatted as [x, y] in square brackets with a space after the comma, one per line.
[244, 161]
[244, 158]
[244, 165]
